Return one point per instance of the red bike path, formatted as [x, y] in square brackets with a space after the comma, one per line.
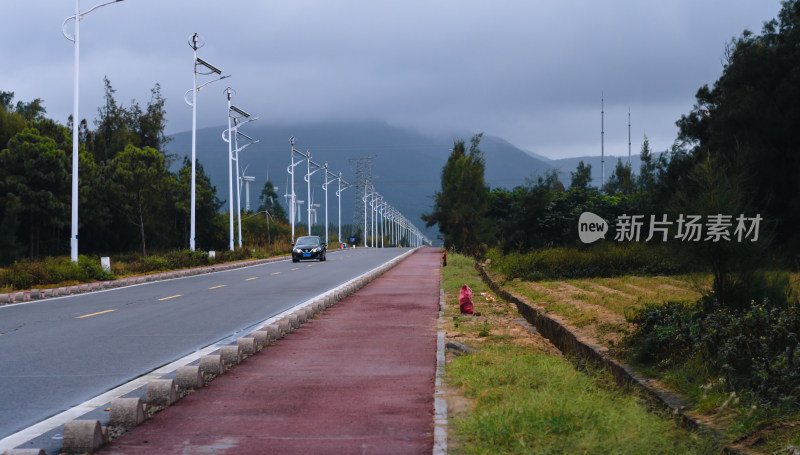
[357, 379]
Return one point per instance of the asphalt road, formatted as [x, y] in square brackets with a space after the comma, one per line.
[57, 353]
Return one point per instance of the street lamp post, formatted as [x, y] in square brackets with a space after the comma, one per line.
[325, 187]
[339, 195]
[293, 203]
[307, 178]
[73, 242]
[230, 172]
[193, 43]
[365, 215]
[232, 139]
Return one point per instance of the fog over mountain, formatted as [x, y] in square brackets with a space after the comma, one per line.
[406, 166]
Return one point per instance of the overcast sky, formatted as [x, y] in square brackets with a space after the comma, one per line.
[531, 72]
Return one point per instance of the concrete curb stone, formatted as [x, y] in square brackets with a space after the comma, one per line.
[189, 377]
[83, 436]
[212, 365]
[127, 412]
[231, 355]
[247, 345]
[161, 392]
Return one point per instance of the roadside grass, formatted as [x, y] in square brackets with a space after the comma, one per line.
[527, 398]
[598, 306]
[60, 271]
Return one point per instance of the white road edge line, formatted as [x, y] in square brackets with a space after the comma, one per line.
[39, 429]
[439, 402]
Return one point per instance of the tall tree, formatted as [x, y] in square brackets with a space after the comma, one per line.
[582, 177]
[270, 202]
[11, 122]
[140, 178]
[621, 180]
[648, 168]
[208, 205]
[114, 131]
[35, 182]
[752, 114]
[460, 207]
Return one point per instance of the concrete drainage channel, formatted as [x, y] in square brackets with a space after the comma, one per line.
[132, 405]
[552, 328]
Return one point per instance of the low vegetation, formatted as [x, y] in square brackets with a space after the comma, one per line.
[524, 397]
[60, 271]
[602, 260]
[737, 366]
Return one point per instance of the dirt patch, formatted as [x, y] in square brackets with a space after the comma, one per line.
[607, 290]
[498, 319]
[566, 287]
[669, 287]
[607, 328]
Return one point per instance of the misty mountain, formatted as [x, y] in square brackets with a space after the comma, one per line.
[406, 166]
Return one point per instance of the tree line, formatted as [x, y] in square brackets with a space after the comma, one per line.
[737, 152]
[129, 200]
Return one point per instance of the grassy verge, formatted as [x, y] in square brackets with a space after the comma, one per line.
[524, 397]
[598, 306]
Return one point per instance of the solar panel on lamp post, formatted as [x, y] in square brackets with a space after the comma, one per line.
[194, 44]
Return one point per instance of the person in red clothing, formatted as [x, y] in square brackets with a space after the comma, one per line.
[465, 300]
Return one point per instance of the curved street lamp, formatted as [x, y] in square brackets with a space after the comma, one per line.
[210, 69]
[75, 119]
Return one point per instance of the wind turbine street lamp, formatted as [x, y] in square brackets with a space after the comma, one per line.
[231, 136]
[76, 119]
[209, 69]
[239, 173]
[339, 195]
[293, 203]
[307, 178]
[237, 149]
[325, 187]
[364, 199]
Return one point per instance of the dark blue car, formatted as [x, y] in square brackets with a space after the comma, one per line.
[308, 247]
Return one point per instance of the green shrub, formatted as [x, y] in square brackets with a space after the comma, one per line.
[156, 263]
[603, 260]
[754, 349]
[24, 274]
[28, 274]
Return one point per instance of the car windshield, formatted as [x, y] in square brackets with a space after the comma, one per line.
[308, 241]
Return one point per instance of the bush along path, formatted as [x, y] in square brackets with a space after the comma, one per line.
[510, 390]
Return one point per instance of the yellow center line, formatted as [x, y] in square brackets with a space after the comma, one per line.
[252, 278]
[277, 273]
[93, 314]
[171, 297]
[310, 265]
[296, 268]
[217, 287]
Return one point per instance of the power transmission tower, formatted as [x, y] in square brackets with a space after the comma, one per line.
[363, 182]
